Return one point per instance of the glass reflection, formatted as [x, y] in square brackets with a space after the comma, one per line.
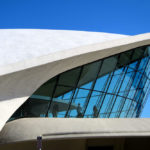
[113, 87]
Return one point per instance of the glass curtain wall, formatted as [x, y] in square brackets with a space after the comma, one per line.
[113, 87]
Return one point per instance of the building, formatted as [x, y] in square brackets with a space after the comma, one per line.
[60, 84]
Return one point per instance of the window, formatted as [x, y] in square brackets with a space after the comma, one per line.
[111, 87]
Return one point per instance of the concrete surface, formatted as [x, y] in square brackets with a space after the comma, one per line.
[27, 129]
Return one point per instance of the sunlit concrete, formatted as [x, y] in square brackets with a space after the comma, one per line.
[61, 128]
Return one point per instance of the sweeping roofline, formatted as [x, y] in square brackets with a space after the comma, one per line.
[20, 80]
[106, 49]
[20, 44]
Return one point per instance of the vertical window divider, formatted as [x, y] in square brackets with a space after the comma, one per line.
[51, 99]
[114, 97]
[122, 106]
[91, 90]
[118, 56]
[139, 109]
[120, 85]
[76, 85]
[136, 91]
[147, 92]
[138, 103]
[103, 91]
[141, 105]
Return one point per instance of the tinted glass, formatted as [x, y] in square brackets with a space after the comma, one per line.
[113, 87]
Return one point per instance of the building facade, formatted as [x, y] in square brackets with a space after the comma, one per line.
[78, 79]
[113, 87]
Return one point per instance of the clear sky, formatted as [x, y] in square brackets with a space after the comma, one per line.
[129, 17]
[115, 16]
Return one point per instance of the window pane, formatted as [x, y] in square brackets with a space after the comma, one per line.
[47, 88]
[70, 77]
[125, 58]
[60, 103]
[108, 65]
[138, 53]
[79, 100]
[92, 110]
[89, 74]
[102, 82]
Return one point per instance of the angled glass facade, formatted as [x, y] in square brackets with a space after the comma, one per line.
[113, 87]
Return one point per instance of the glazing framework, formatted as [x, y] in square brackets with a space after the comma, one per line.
[113, 87]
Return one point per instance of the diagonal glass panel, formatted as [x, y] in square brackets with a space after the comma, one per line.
[79, 100]
[124, 59]
[89, 74]
[92, 111]
[108, 65]
[69, 78]
[60, 103]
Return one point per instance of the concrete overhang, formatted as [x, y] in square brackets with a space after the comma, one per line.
[28, 129]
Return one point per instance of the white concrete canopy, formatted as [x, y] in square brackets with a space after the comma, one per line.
[23, 44]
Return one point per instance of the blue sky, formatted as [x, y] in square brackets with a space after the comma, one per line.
[115, 16]
[129, 17]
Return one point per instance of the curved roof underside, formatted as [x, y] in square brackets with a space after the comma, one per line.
[24, 69]
[21, 44]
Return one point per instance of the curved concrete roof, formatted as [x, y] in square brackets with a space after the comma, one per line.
[19, 80]
[21, 44]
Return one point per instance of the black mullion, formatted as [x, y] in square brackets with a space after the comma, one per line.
[90, 81]
[54, 89]
[104, 87]
[76, 85]
[132, 61]
[134, 93]
[133, 97]
[93, 85]
[108, 94]
[147, 91]
[111, 101]
[96, 91]
[121, 108]
[75, 96]
[124, 101]
[108, 85]
[136, 89]
[141, 89]
[138, 103]
[139, 99]
[129, 88]
[137, 61]
[103, 90]
[121, 83]
[118, 92]
[115, 74]
[145, 99]
[122, 80]
[113, 112]
[135, 69]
